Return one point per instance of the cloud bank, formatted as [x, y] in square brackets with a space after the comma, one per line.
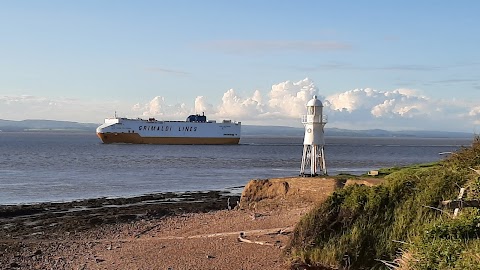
[284, 104]
[362, 108]
[281, 105]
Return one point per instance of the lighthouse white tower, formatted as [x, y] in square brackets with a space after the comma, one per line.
[313, 159]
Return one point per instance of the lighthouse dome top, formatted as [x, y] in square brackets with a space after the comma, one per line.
[314, 102]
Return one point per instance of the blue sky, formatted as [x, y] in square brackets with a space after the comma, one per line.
[81, 60]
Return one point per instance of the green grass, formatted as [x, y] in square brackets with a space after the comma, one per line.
[357, 226]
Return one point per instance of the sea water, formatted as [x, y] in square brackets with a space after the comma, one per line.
[52, 166]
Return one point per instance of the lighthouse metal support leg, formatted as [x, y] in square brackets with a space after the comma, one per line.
[313, 161]
[306, 154]
[313, 158]
[324, 167]
[307, 160]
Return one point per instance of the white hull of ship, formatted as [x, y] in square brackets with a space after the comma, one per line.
[138, 131]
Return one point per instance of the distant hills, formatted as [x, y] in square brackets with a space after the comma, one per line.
[402, 133]
[337, 132]
[247, 130]
[45, 125]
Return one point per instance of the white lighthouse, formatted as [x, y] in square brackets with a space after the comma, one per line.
[313, 159]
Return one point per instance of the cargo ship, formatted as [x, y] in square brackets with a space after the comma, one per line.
[194, 130]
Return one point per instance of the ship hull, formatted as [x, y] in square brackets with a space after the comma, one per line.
[137, 139]
[139, 131]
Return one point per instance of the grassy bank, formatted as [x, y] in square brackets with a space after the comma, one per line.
[398, 223]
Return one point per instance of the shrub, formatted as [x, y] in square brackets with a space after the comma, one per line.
[358, 225]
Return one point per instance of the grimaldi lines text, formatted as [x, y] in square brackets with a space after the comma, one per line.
[194, 130]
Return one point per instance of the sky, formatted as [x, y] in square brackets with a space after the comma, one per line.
[395, 65]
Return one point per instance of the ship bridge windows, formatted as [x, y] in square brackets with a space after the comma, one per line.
[196, 118]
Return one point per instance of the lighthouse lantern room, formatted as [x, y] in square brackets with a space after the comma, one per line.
[313, 159]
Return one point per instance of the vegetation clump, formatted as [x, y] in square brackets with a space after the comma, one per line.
[398, 224]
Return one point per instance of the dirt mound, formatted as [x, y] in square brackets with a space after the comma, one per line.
[284, 192]
[257, 190]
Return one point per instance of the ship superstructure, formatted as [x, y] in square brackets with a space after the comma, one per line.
[194, 130]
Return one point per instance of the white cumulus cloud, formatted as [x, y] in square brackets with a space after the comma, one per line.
[201, 105]
[288, 99]
[396, 109]
[404, 102]
[282, 104]
[367, 108]
[237, 107]
[158, 107]
[474, 114]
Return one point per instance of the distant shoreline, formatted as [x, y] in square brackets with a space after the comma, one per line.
[247, 130]
[361, 134]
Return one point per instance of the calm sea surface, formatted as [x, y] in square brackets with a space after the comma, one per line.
[41, 167]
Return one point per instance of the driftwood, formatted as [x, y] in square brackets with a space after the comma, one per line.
[460, 203]
[241, 237]
[452, 204]
[275, 231]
